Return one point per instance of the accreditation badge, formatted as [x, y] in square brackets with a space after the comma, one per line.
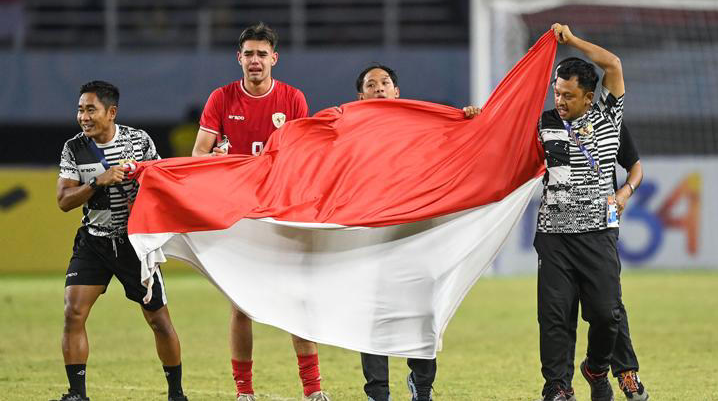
[611, 213]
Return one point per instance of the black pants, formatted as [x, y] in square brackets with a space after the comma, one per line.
[623, 358]
[577, 268]
[376, 372]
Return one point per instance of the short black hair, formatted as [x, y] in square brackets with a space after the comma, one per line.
[360, 78]
[584, 71]
[108, 94]
[260, 31]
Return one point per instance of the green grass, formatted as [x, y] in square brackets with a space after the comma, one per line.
[490, 348]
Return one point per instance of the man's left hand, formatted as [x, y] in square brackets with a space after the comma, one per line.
[562, 33]
[471, 111]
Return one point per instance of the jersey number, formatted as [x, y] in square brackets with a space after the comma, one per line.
[257, 148]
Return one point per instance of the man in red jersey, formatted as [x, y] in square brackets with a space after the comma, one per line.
[246, 112]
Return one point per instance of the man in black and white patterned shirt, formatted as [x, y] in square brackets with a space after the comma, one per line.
[577, 226]
[624, 362]
[93, 175]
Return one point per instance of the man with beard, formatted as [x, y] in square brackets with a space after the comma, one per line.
[238, 119]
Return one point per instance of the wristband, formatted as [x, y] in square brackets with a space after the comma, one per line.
[92, 183]
[633, 189]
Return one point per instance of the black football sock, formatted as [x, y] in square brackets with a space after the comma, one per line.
[174, 379]
[76, 377]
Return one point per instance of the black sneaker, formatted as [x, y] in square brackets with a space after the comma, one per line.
[177, 398]
[600, 386]
[631, 386]
[72, 396]
[418, 394]
[554, 394]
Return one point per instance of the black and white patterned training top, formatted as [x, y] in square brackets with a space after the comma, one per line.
[106, 213]
[574, 198]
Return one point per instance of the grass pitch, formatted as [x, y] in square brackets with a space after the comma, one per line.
[490, 348]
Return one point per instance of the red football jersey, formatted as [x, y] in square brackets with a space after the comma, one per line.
[249, 120]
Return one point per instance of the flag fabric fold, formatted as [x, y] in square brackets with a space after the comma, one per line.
[363, 226]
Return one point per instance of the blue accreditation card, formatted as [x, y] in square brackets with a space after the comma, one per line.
[611, 213]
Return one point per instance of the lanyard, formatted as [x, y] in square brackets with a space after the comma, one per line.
[101, 156]
[591, 161]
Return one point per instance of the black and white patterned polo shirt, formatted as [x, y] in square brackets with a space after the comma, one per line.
[574, 197]
[106, 213]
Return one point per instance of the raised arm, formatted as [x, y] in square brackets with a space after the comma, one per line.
[607, 61]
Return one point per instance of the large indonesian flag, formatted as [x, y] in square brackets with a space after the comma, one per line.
[361, 227]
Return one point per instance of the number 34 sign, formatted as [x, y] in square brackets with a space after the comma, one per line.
[679, 211]
[670, 222]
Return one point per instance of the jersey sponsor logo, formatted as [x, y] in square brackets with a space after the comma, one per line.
[73, 274]
[236, 117]
[279, 119]
[88, 169]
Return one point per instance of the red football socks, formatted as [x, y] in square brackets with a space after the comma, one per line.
[242, 373]
[309, 373]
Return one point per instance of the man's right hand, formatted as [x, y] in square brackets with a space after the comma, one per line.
[218, 152]
[471, 111]
[115, 175]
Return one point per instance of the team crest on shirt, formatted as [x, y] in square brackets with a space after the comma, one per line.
[586, 130]
[278, 119]
[127, 160]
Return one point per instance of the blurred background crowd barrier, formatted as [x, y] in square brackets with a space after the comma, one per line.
[167, 56]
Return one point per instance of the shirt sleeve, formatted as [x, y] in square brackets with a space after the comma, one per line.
[68, 165]
[627, 152]
[611, 106]
[301, 109]
[149, 151]
[211, 120]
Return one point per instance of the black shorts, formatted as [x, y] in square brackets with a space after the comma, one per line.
[96, 259]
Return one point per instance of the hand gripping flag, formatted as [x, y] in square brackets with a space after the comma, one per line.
[361, 227]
